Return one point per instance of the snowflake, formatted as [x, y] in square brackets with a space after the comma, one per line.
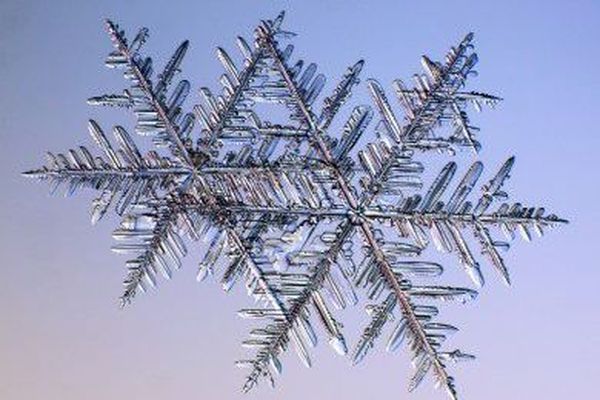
[293, 210]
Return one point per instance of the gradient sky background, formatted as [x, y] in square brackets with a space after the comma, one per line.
[62, 335]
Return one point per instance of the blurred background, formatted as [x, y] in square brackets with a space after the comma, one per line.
[62, 335]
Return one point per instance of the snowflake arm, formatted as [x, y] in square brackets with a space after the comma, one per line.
[155, 115]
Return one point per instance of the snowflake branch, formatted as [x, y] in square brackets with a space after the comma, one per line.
[143, 83]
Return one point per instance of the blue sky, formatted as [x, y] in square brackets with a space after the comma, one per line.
[61, 333]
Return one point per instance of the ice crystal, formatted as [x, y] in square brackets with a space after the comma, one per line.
[295, 210]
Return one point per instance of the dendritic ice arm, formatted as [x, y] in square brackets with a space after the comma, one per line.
[277, 289]
[156, 116]
[139, 187]
[436, 96]
[432, 102]
[304, 294]
[421, 217]
[279, 189]
[154, 232]
[122, 175]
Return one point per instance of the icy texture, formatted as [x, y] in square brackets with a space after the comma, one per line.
[303, 216]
